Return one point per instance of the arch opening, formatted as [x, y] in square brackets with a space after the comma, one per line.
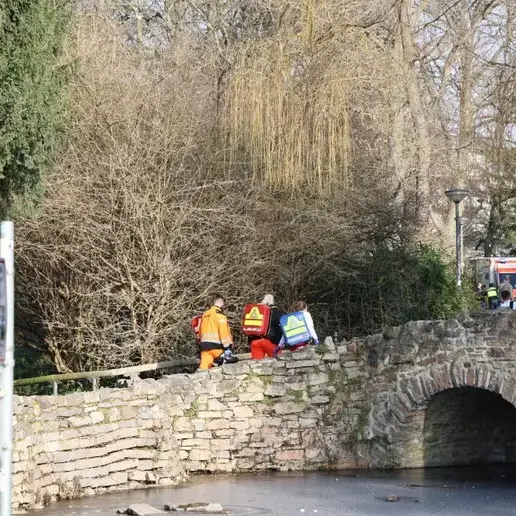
[467, 426]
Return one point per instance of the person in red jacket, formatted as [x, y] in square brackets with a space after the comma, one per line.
[262, 347]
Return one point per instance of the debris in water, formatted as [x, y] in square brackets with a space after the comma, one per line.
[205, 508]
[392, 498]
[140, 509]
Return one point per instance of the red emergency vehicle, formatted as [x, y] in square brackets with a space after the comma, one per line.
[494, 270]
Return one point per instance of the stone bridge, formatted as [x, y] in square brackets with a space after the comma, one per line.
[428, 393]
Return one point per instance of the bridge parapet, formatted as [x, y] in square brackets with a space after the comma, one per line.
[250, 416]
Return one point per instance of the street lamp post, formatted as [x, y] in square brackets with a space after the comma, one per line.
[6, 364]
[457, 195]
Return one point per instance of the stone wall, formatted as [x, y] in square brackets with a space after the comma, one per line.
[288, 414]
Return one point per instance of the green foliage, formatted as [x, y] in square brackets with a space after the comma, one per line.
[441, 297]
[386, 287]
[31, 363]
[193, 410]
[32, 91]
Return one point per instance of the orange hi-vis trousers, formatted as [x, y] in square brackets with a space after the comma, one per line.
[260, 348]
[208, 357]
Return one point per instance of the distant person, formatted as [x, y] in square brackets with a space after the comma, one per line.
[215, 339]
[300, 324]
[262, 347]
[506, 287]
[507, 302]
[492, 297]
[481, 294]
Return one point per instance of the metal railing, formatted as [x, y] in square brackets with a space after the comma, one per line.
[94, 376]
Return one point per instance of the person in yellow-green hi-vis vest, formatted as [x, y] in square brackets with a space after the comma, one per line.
[492, 297]
[308, 329]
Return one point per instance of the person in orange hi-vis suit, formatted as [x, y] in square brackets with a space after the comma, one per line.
[214, 334]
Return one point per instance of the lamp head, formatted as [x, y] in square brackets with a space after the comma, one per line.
[456, 194]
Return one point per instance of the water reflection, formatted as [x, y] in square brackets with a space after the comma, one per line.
[440, 491]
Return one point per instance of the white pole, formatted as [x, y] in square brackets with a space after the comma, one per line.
[6, 365]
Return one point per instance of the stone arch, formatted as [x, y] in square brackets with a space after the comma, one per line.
[396, 423]
[466, 426]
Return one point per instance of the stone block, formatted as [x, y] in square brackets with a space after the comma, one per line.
[114, 479]
[137, 476]
[317, 379]
[184, 435]
[146, 465]
[141, 509]
[312, 453]
[244, 464]
[342, 350]
[200, 455]
[262, 367]
[203, 435]
[329, 344]
[243, 411]
[209, 414]
[240, 425]
[195, 443]
[226, 386]
[198, 424]
[220, 444]
[183, 424]
[193, 466]
[320, 400]
[307, 422]
[240, 368]
[290, 407]
[245, 452]
[250, 396]
[307, 352]
[217, 424]
[297, 364]
[215, 405]
[123, 465]
[131, 443]
[256, 422]
[96, 417]
[66, 411]
[224, 433]
[290, 455]
[275, 390]
[79, 420]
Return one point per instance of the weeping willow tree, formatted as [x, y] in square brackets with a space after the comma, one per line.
[288, 108]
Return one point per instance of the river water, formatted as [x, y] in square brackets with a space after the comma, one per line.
[486, 491]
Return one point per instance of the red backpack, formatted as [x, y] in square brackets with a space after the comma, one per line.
[256, 320]
[196, 326]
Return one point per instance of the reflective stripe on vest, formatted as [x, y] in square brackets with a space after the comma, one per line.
[491, 292]
[295, 328]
